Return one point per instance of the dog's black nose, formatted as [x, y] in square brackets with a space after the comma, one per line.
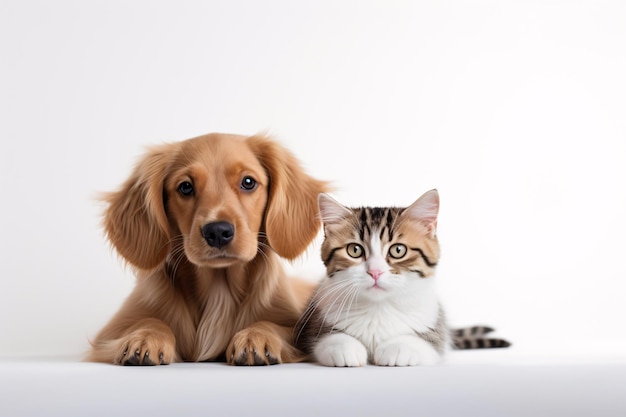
[218, 234]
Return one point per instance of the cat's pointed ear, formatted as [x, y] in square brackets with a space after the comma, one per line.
[330, 210]
[425, 210]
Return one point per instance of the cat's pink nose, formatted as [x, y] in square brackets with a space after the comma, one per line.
[375, 273]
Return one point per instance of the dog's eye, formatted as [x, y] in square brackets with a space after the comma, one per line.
[248, 183]
[185, 188]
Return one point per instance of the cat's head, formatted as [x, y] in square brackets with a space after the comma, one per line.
[382, 251]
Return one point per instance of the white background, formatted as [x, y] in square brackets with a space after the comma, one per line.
[514, 110]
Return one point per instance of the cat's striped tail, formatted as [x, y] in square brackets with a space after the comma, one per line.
[475, 338]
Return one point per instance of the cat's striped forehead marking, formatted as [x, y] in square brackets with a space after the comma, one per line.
[379, 218]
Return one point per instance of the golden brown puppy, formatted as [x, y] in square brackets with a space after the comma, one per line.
[203, 221]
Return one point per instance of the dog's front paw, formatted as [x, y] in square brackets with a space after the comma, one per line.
[258, 344]
[406, 350]
[340, 349]
[146, 347]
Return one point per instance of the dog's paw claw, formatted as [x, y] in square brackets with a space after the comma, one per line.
[141, 345]
[246, 347]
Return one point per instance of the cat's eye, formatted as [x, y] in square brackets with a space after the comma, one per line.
[355, 250]
[185, 188]
[397, 251]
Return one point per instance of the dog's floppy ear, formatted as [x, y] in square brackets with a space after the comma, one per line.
[291, 220]
[135, 221]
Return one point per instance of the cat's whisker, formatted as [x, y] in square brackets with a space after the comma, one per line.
[346, 297]
[340, 295]
[355, 294]
[328, 291]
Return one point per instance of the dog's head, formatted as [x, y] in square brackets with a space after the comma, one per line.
[217, 198]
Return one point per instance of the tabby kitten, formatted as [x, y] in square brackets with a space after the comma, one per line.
[378, 302]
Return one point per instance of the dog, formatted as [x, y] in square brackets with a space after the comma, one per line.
[203, 222]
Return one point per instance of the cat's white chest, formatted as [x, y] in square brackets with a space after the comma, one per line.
[373, 323]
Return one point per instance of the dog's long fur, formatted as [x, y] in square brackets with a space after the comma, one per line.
[193, 301]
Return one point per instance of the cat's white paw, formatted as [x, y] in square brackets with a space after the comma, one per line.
[340, 349]
[407, 350]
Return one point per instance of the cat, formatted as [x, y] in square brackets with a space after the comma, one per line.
[378, 302]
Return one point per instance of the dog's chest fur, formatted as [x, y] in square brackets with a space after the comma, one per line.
[210, 306]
